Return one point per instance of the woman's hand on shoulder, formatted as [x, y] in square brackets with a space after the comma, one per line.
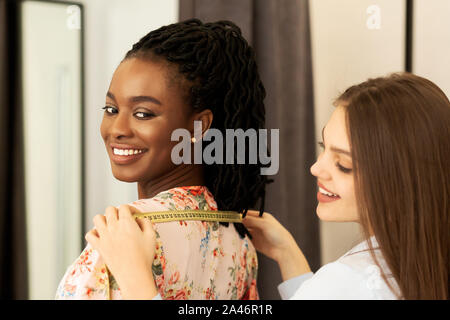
[127, 245]
[274, 241]
[268, 235]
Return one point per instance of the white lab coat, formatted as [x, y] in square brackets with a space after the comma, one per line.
[353, 276]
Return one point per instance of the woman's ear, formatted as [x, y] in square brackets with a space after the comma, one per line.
[206, 117]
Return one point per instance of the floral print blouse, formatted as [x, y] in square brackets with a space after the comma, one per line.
[193, 260]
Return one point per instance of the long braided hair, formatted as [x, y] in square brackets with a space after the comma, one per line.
[220, 69]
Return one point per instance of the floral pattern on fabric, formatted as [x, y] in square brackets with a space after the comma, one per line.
[193, 259]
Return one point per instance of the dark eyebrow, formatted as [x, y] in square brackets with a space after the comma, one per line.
[137, 98]
[337, 150]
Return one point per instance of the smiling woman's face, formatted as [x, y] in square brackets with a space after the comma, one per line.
[333, 169]
[141, 112]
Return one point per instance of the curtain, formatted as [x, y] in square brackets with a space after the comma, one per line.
[279, 31]
[13, 257]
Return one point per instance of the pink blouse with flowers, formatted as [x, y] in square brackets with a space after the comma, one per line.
[194, 259]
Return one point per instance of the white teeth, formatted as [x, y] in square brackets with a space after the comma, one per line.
[126, 152]
[325, 192]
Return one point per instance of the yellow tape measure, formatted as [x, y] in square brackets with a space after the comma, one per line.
[200, 215]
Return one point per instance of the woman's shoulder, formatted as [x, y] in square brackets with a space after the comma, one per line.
[192, 235]
[340, 281]
[188, 198]
[365, 260]
[179, 198]
[333, 281]
[368, 265]
[355, 275]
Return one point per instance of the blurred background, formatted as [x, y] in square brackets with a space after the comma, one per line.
[56, 61]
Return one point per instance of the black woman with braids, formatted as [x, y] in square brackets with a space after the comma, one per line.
[175, 75]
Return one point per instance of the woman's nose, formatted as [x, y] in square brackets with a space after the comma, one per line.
[318, 169]
[314, 169]
[121, 126]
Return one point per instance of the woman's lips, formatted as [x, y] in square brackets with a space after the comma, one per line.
[123, 159]
[324, 198]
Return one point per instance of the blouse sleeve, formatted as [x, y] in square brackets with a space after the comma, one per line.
[87, 278]
[335, 281]
[289, 287]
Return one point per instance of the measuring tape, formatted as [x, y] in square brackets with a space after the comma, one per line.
[200, 215]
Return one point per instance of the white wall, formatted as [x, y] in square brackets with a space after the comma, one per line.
[431, 42]
[52, 143]
[346, 52]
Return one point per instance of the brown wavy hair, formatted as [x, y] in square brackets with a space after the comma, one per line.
[399, 132]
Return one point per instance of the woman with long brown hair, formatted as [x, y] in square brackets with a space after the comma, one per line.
[385, 165]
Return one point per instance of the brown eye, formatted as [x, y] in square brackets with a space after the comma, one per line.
[109, 110]
[143, 115]
[320, 143]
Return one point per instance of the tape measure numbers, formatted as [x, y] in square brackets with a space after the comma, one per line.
[200, 215]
